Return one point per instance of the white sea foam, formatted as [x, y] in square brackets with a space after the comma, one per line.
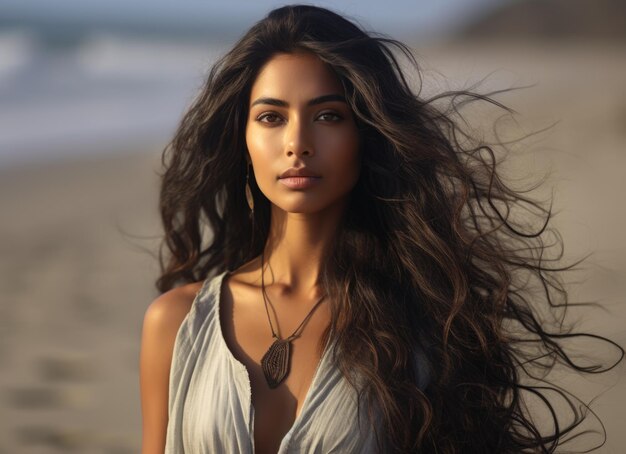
[107, 55]
[17, 48]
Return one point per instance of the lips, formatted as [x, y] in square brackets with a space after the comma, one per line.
[300, 172]
[299, 182]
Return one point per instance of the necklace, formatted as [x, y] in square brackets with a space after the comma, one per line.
[276, 361]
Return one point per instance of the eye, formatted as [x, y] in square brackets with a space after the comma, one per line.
[329, 116]
[268, 117]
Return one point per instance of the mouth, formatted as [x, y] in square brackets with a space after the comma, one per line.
[299, 182]
[298, 172]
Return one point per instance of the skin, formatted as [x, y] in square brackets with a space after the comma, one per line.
[324, 138]
[284, 129]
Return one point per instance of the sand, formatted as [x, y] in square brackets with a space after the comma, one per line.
[79, 234]
[74, 289]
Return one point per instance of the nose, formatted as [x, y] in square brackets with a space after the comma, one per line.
[298, 138]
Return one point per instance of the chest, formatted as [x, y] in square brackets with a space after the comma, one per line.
[247, 334]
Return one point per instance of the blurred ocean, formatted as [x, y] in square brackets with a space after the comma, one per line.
[63, 97]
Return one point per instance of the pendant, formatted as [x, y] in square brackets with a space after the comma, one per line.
[275, 363]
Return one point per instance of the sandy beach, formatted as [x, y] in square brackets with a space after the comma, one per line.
[75, 284]
[79, 237]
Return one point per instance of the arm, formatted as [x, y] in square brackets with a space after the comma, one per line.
[160, 326]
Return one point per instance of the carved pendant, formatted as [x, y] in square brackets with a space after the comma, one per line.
[275, 363]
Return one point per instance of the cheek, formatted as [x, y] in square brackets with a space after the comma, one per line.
[253, 141]
[342, 149]
[261, 145]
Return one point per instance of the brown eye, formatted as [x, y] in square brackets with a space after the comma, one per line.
[329, 116]
[268, 118]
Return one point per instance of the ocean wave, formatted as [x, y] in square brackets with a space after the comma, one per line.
[18, 48]
[109, 55]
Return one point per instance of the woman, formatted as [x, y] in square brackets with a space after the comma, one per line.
[363, 287]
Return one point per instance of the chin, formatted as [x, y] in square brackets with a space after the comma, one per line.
[300, 209]
[310, 206]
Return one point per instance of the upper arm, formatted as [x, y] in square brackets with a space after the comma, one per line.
[161, 322]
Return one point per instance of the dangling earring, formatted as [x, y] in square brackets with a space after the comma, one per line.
[250, 201]
[249, 197]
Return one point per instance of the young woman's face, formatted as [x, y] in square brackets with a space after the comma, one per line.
[298, 118]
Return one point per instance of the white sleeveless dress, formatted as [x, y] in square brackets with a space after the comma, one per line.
[210, 409]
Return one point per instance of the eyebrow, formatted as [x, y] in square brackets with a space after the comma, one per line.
[312, 102]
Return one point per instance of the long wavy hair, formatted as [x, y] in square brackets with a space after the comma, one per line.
[432, 252]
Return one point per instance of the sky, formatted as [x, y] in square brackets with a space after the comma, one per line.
[420, 17]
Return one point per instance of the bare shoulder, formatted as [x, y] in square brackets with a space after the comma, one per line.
[161, 322]
[168, 311]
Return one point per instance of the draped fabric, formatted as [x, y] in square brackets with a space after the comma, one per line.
[210, 408]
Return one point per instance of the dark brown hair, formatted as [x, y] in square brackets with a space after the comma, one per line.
[432, 253]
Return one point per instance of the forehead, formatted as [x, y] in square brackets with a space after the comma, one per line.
[295, 76]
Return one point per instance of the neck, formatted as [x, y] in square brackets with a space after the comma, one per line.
[296, 247]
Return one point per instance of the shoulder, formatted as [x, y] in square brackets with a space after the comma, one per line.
[166, 313]
[162, 320]
[173, 304]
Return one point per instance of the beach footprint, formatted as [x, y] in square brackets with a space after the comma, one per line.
[57, 438]
[60, 386]
[65, 368]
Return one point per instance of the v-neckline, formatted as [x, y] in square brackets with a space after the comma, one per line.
[219, 282]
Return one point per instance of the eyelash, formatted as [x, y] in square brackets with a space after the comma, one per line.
[265, 115]
[270, 114]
